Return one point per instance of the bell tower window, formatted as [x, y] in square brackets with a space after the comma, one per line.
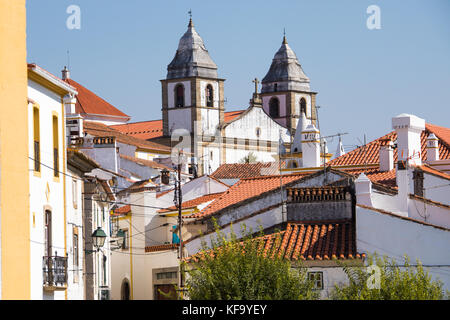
[274, 108]
[179, 96]
[302, 106]
[209, 95]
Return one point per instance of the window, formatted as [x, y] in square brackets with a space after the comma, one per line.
[55, 147]
[166, 275]
[105, 281]
[302, 106]
[125, 240]
[209, 95]
[48, 233]
[317, 278]
[75, 254]
[179, 96]
[258, 132]
[275, 87]
[75, 193]
[274, 108]
[36, 139]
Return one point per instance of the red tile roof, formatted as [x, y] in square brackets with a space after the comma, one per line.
[100, 130]
[308, 241]
[359, 155]
[314, 240]
[142, 130]
[89, 103]
[245, 170]
[123, 210]
[353, 162]
[246, 189]
[228, 116]
[434, 171]
[161, 247]
[154, 128]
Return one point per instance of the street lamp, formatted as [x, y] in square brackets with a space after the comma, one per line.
[120, 238]
[99, 237]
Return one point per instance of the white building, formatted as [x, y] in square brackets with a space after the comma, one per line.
[48, 183]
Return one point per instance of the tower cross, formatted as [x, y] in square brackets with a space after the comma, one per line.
[256, 82]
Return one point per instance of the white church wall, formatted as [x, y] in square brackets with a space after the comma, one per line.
[246, 128]
[209, 121]
[180, 119]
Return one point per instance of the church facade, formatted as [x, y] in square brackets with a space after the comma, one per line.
[193, 108]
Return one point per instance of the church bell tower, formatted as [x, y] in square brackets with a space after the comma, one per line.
[193, 98]
[286, 93]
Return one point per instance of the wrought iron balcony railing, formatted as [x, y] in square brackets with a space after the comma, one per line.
[55, 272]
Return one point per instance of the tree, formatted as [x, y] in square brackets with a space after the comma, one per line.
[249, 158]
[396, 282]
[239, 269]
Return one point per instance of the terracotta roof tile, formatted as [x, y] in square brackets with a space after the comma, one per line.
[245, 170]
[123, 210]
[154, 128]
[353, 162]
[162, 247]
[101, 130]
[309, 240]
[89, 103]
[358, 155]
[246, 189]
[434, 171]
[142, 130]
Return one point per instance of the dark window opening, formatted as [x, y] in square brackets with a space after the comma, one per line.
[302, 106]
[179, 96]
[209, 95]
[274, 108]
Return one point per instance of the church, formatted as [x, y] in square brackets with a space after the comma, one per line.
[193, 108]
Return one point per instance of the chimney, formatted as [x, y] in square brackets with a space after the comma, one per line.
[69, 103]
[432, 148]
[363, 190]
[387, 156]
[409, 147]
[311, 147]
[65, 73]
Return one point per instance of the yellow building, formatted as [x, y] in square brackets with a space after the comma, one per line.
[14, 176]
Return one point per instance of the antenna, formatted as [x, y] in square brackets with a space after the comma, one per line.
[68, 59]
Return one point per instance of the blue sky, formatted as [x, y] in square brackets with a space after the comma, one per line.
[363, 77]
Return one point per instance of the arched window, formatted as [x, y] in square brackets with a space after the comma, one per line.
[179, 96]
[209, 95]
[274, 108]
[302, 106]
[125, 290]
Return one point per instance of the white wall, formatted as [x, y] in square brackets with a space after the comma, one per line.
[395, 237]
[75, 277]
[42, 197]
[245, 128]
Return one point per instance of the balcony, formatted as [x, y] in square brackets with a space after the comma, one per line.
[55, 273]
